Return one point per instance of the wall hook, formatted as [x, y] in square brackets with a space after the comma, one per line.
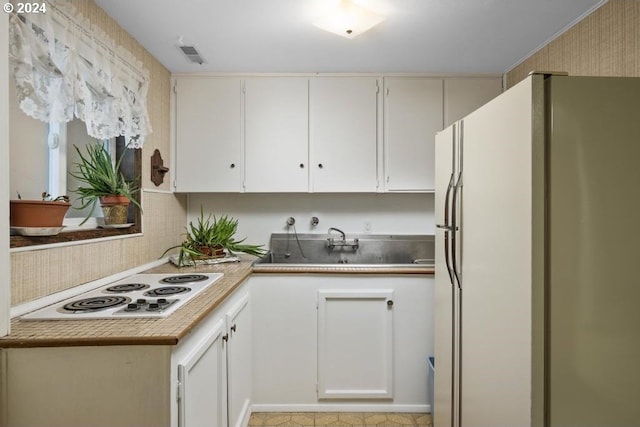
[157, 168]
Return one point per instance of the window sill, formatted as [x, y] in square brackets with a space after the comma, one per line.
[71, 237]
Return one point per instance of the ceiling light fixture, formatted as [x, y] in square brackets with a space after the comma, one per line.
[349, 20]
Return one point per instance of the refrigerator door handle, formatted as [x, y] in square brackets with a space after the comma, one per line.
[454, 230]
[447, 228]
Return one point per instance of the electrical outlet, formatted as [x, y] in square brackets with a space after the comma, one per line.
[367, 227]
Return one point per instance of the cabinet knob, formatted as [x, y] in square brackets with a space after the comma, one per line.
[225, 337]
[301, 165]
[320, 165]
[232, 165]
[390, 303]
[233, 328]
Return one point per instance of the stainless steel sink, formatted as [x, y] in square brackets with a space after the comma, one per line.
[321, 249]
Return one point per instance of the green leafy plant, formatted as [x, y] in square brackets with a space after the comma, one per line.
[46, 197]
[206, 236]
[102, 177]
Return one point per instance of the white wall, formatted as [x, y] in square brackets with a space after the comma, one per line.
[259, 215]
[4, 175]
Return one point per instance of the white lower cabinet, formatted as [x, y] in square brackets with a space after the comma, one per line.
[203, 381]
[202, 391]
[239, 377]
[212, 368]
[355, 343]
[290, 342]
[341, 342]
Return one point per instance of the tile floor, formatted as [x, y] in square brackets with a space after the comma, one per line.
[338, 419]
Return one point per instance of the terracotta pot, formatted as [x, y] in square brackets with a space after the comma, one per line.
[212, 252]
[114, 200]
[115, 209]
[37, 213]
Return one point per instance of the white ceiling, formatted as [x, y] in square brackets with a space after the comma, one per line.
[418, 36]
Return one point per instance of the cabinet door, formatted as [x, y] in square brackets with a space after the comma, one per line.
[208, 134]
[284, 328]
[276, 134]
[202, 393]
[355, 344]
[343, 129]
[239, 365]
[413, 115]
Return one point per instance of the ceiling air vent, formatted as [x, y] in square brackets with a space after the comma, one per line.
[192, 54]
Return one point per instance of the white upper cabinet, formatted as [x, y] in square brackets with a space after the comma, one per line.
[276, 134]
[316, 133]
[465, 95]
[415, 109]
[208, 134]
[412, 116]
[343, 134]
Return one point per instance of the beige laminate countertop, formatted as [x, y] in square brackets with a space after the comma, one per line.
[169, 330]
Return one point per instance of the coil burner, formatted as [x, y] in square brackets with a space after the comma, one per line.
[184, 278]
[167, 290]
[126, 287]
[92, 304]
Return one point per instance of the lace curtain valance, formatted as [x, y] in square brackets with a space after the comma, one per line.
[64, 67]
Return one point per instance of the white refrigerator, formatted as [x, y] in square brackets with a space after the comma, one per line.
[537, 299]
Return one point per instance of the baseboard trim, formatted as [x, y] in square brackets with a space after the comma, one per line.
[340, 407]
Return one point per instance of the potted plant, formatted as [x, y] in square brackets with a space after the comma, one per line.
[38, 217]
[104, 183]
[207, 239]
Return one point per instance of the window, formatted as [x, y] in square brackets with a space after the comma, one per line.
[61, 158]
[62, 69]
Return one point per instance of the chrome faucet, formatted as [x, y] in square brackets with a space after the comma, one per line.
[332, 244]
[344, 236]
